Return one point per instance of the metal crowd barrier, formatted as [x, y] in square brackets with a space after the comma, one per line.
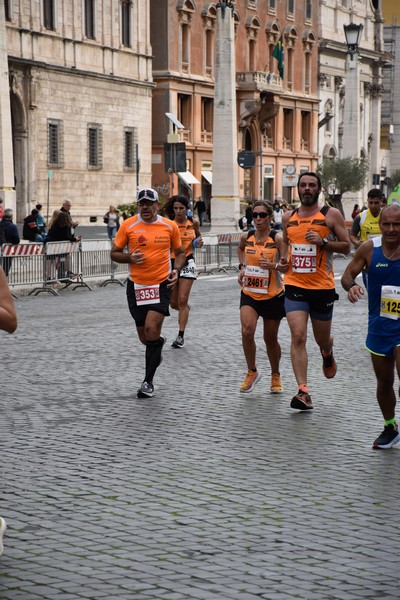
[47, 267]
[62, 264]
[219, 253]
[96, 262]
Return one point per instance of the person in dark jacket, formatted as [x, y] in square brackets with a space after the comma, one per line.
[30, 230]
[8, 235]
[60, 231]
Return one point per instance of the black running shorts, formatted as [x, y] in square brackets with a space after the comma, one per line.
[273, 309]
[139, 313]
[318, 303]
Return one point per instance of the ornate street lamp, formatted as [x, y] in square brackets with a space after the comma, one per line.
[353, 35]
[351, 143]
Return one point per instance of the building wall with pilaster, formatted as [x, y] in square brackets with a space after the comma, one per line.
[332, 84]
[62, 75]
[259, 117]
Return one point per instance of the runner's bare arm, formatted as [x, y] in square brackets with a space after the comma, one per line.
[336, 223]
[199, 242]
[285, 241]
[355, 232]
[359, 262]
[8, 316]
[241, 256]
[282, 266]
[118, 255]
[180, 259]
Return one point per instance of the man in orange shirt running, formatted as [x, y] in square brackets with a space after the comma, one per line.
[149, 238]
[312, 233]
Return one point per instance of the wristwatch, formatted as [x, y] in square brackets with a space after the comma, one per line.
[324, 242]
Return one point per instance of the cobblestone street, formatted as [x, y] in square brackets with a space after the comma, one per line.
[200, 492]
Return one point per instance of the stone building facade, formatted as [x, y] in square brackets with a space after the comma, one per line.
[333, 52]
[81, 87]
[276, 116]
[390, 138]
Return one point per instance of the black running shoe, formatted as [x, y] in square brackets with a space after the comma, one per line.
[178, 343]
[301, 401]
[329, 367]
[388, 438]
[146, 390]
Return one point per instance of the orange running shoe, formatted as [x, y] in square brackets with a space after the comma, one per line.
[250, 381]
[276, 384]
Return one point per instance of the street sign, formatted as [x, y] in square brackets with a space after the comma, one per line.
[175, 157]
[246, 159]
[376, 179]
[289, 180]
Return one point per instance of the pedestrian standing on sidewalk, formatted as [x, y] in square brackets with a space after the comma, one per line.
[111, 218]
[313, 233]
[66, 207]
[8, 323]
[189, 231]
[200, 206]
[380, 257]
[8, 235]
[149, 238]
[262, 261]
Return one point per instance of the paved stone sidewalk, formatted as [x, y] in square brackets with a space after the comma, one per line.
[201, 492]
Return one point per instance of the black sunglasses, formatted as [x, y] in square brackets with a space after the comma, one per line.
[262, 215]
[146, 194]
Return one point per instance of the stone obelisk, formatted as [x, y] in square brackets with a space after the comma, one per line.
[7, 190]
[225, 186]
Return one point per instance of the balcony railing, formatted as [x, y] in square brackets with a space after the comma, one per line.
[185, 135]
[206, 137]
[287, 143]
[258, 80]
[268, 142]
[305, 145]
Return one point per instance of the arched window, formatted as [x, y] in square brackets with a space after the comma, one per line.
[291, 36]
[126, 28]
[209, 15]
[329, 151]
[272, 33]
[309, 40]
[186, 8]
[252, 28]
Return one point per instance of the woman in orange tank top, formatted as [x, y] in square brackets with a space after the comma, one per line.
[189, 230]
[262, 262]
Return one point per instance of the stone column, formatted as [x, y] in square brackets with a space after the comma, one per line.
[7, 189]
[225, 186]
[351, 112]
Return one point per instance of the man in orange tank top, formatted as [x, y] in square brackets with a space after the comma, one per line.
[312, 234]
[149, 238]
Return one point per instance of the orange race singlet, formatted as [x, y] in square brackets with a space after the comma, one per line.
[155, 241]
[311, 265]
[188, 234]
[261, 284]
